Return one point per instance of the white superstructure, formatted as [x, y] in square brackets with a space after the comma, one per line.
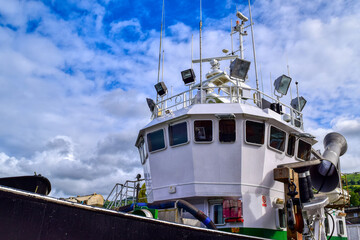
[216, 146]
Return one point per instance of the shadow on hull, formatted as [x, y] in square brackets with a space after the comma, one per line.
[42, 217]
[36, 184]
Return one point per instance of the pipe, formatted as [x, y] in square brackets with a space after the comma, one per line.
[325, 176]
[198, 214]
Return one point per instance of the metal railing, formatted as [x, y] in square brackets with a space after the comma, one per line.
[232, 92]
[124, 194]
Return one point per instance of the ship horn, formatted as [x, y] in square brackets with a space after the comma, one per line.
[325, 176]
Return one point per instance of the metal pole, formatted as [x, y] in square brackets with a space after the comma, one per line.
[162, 19]
[231, 34]
[201, 87]
[253, 44]
[241, 40]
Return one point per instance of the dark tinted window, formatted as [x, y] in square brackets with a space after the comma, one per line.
[341, 227]
[291, 145]
[156, 140]
[178, 134]
[255, 132]
[282, 221]
[218, 214]
[142, 151]
[227, 130]
[203, 131]
[277, 138]
[304, 150]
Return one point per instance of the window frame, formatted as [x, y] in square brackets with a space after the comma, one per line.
[165, 142]
[145, 150]
[269, 138]
[297, 150]
[250, 143]
[212, 129]
[341, 227]
[212, 203]
[234, 131]
[287, 145]
[187, 133]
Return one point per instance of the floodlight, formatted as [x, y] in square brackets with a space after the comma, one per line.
[188, 76]
[239, 68]
[295, 103]
[241, 16]
[151, 104]
[161, 88]
[282, 84]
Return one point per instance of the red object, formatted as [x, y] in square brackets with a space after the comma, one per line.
[234, 220]
[263, 201]
[232, 210]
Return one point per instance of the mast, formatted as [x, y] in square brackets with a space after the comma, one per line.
[201, 87]
[253, 44]
[161, 28]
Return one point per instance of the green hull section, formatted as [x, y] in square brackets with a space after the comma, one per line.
[266, 233]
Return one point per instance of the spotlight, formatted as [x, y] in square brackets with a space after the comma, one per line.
[295, 103]
[241, 16]
[161, 88]
[188, 76]
[282, 84]
[239, 68]
[151, 104]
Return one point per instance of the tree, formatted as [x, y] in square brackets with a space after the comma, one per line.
[354, 199]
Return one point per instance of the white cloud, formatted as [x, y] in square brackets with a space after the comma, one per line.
[58, 118]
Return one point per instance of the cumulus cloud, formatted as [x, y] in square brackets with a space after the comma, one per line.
[74, 79]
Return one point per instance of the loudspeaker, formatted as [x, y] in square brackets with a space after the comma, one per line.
[325, 176]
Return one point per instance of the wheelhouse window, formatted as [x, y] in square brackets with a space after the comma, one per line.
[291, 145]
[178, 134]
[218, 214]
[304, 150]
[277, 139]
[156, 140]
[341, 228]
[142, 151]
[203, 130]
[255, 132]
[281, 221]
[227, 130]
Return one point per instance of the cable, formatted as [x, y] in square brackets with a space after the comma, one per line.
[333, 221]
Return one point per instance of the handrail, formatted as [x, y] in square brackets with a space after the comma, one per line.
[123, 194]
[231, 93]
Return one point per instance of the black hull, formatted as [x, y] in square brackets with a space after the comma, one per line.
[26, 215]
[35, 184]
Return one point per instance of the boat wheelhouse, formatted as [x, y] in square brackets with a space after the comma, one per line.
[216, 145]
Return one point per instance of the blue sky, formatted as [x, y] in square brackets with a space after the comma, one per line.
[74, 76]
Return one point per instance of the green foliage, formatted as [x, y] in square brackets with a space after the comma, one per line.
[353, 185]
[354, 199]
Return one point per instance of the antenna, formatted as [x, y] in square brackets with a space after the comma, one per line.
[201, 87]
[161, 28]
[162, 67]
[288, 70]
[192, 37]
[253, 43]
[231, 34]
